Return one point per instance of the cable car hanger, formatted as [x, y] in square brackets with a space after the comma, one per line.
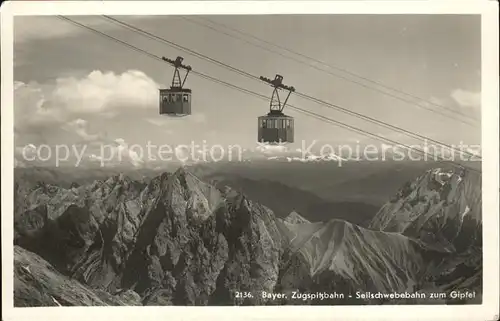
[277, 84]
[276, 127]
[176, 79]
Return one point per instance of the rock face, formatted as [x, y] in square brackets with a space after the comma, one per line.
[37, 283]
[442, 209]
[180, 241]
[341, 257]
[195, 239]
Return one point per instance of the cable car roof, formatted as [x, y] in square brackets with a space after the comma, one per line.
[176, 89]
[276, 113]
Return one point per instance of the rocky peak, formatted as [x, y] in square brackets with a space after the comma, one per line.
[439, 207]
[295, 218]
[179, 240]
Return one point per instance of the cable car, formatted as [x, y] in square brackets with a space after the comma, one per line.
[276, 127]
[176, 101]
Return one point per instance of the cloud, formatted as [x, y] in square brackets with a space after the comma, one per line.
[124, 151]
[63, 102]
[23, 153]
[118, 152]
[106, 92]
[80, 127]
[92, 110]
[467, 98]
[28, 150]
[171, 121]
[29, 109]
[271, 149]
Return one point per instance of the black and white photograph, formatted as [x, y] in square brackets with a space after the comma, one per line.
[165, 157]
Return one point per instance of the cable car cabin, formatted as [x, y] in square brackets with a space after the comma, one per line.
[275, 127]
[175, 102]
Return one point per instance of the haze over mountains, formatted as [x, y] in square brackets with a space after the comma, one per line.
[187, 238]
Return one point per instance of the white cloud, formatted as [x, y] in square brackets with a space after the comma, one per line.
[80, 127]
[105, 92]
[23, 153]
[132, 155]
[467, 98]
[163, 121]
[92, 110]
[29, 109]
[68, 99]
[271, 149]
[119, 152]
[29, 150]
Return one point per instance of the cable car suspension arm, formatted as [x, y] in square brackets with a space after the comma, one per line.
[277, 84]
[177, 63]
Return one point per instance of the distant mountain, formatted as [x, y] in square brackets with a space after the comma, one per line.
[354, 182]
[283, 199]
[179, 240]
[358, 182]
[374, 186]
[67, 176]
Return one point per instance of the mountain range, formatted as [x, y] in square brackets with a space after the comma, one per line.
[180, 239]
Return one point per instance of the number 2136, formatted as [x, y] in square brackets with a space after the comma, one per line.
[243, 295]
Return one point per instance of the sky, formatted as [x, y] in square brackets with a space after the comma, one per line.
[75, 87]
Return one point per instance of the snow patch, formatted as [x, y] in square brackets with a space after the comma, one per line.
[467, 210]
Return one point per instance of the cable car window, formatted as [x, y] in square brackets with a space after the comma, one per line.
[185, 98]
[269, 123]
[283, 122]
[263, 123]
[275, 123]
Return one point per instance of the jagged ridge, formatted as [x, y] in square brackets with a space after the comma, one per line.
[178, 240]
